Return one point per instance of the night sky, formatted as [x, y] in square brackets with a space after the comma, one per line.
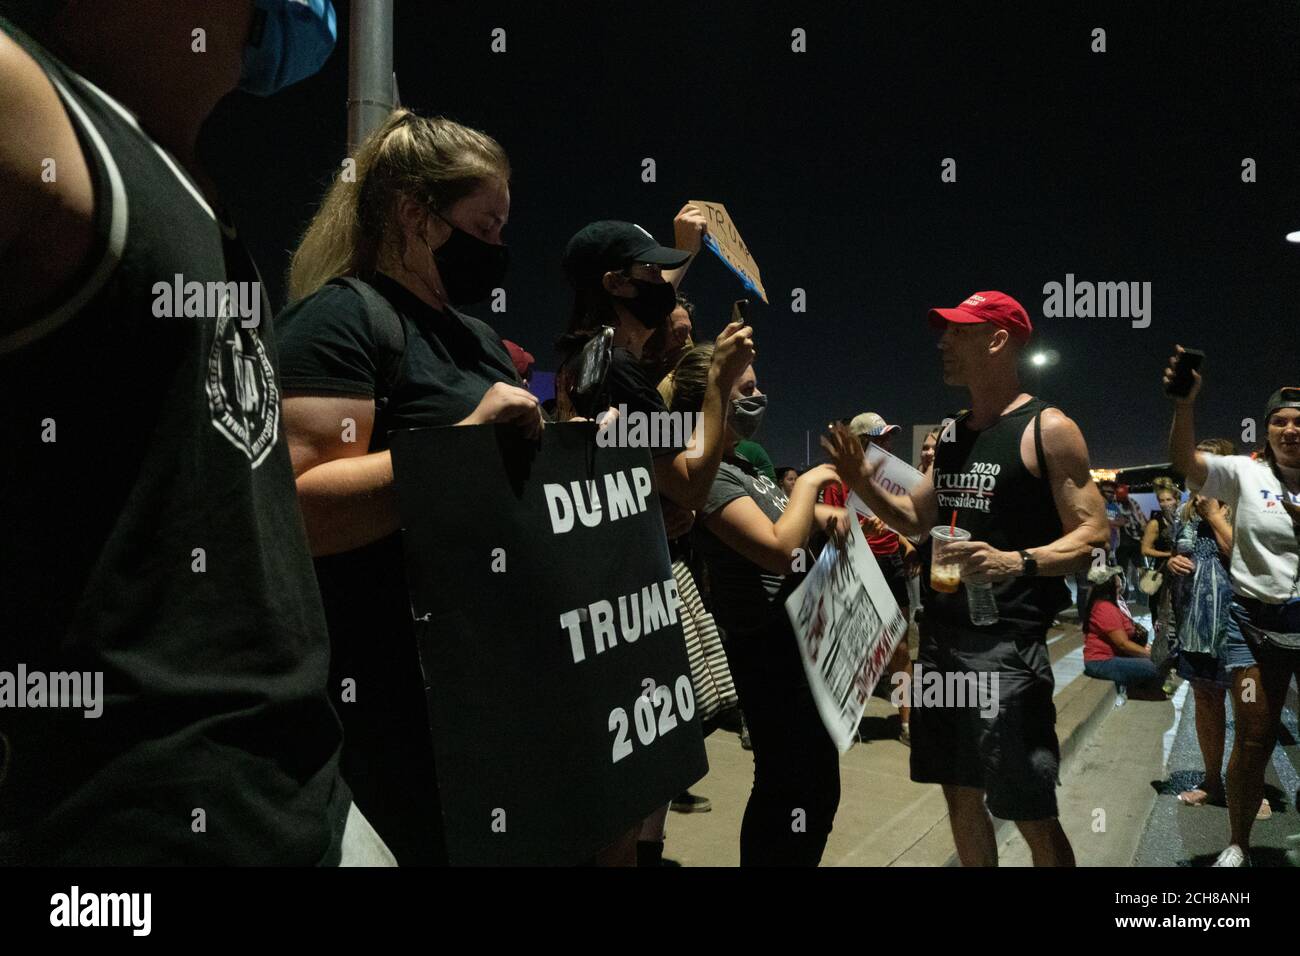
[1116, 166]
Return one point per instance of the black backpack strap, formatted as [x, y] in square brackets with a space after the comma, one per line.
[389, 334]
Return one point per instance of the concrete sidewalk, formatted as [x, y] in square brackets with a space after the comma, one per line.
[884, 818]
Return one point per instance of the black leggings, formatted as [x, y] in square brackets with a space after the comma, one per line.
[796, 764]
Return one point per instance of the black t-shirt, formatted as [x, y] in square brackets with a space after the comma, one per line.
[151, 535]
[329, 346]
[631, 382]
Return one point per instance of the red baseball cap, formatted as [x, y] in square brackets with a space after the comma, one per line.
[996, 308]
[523, 360]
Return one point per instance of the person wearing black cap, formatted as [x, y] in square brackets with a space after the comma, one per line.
[1015, 475]
[622, 280]
[618, 272]
[1264, 495]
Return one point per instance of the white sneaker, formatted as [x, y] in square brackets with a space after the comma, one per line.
[1233, 856]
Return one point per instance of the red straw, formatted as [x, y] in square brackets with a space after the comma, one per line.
[952, 527]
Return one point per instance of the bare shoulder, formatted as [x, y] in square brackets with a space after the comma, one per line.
[1061, 435]
[46, 193]
[1063, 445]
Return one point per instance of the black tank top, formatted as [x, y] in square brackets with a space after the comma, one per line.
[982, 476]
[157, 540]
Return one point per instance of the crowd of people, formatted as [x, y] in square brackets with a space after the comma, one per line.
[234, 556]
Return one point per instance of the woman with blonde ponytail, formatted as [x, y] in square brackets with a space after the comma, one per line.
[374, 341]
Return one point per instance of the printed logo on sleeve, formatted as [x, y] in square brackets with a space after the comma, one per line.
[242, 394]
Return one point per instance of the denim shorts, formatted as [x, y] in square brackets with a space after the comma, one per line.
[1233, 656]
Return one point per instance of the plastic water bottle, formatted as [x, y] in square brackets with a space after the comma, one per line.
[981, 603]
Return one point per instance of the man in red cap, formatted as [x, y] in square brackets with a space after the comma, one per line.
[1013, 472]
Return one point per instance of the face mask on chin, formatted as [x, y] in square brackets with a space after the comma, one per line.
[747, 415]
[469, 267]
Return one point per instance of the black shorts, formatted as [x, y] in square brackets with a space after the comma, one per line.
[969, 730]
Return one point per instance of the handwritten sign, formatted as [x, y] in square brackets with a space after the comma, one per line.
[724, 239]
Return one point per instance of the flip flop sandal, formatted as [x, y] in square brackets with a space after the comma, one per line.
[1207, 798]
[1265, 811]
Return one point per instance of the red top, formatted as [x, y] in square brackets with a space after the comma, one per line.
[1106, 617]
[836, 494]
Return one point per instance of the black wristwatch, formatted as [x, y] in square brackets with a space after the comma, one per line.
[1031, 566]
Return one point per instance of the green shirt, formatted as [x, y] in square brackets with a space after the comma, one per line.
[753, 453]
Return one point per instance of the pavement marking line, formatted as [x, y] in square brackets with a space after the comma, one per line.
[907, 813]
[1067, 669]
[1286, 770]
[1168, 742]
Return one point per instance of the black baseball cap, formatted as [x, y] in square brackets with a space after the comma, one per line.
[610, 245]
[1288, 397]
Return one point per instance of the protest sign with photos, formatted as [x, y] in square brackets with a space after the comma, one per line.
[848, 624]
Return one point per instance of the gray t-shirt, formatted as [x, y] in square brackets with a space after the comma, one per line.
[745, 596]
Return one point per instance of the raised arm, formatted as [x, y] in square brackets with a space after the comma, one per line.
[1182, 435]
[911, 514]
[685, 478]
[689, 227]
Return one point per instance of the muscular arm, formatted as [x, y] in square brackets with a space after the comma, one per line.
[346, 495]
[1079, 504]
[46, 228]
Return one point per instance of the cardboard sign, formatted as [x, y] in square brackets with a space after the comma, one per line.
[547, 618]
[724, 239]
[848, 624]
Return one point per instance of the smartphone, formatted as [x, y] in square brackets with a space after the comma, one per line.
[1186, 362]
[740, 311]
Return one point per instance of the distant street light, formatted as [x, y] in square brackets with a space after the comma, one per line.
[1293, 237]
[1039, 358]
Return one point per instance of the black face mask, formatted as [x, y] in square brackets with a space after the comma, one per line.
[653, 304]
[470, 268]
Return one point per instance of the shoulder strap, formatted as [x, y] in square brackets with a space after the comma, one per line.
[389, 335]
[1038, 442]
